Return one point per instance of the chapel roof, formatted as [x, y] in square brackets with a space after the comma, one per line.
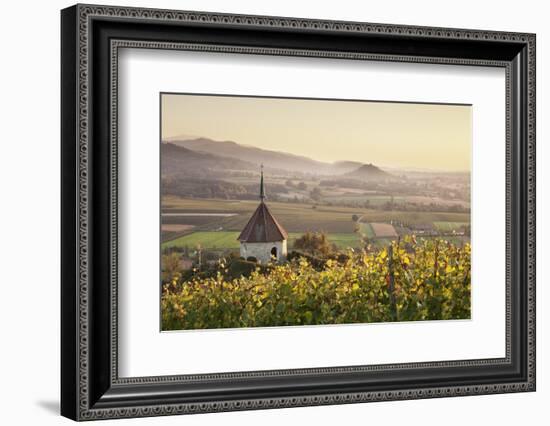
[262, 227]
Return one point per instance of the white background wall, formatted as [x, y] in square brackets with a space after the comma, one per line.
[29, 223]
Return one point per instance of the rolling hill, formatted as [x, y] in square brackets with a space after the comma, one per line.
[369, 172]
[180, 160]
[271, 159]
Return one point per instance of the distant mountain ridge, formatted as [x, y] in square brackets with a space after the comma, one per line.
[203, 153]
[271, 159]
[180, 160]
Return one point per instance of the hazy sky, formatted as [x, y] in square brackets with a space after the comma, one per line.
[385, 134]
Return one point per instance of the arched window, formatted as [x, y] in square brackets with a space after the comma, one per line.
[274, 252]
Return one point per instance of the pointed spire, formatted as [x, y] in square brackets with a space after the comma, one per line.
[262, 191]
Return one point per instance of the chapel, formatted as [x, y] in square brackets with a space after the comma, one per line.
[263, 237]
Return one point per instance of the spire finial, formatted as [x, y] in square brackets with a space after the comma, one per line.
[262, 191]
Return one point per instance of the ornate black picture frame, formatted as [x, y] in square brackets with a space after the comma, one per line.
[91, 37]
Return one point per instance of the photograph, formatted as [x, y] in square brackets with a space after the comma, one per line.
[306, 212]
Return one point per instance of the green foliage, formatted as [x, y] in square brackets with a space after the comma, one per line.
[431, 281]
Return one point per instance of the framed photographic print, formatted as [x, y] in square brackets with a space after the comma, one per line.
[263, 212]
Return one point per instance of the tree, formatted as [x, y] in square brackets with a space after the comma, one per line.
[302, 186]
[315, 194]
[354, 217]
[170, 266]
[314, 243]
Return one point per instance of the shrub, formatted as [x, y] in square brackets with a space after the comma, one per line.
[238, 268]
[314, 243]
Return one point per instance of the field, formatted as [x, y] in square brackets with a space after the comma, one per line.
[341, 194]
[449, 226]
[383, 230]
[206, 240]
[366, 230]
[362, 198]
[176, 227]
[228, 240]
[379, 199]
[215, 224]
[295, 217]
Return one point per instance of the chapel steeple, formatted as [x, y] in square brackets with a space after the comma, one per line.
[262, 190]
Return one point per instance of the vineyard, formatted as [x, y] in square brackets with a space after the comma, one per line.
[406, 281]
